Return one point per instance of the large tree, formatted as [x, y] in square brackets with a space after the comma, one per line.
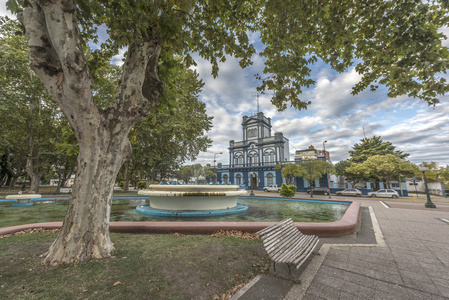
[394, 43]
[385, 168]
[373, 146]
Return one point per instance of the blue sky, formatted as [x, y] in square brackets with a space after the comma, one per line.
[334, 115]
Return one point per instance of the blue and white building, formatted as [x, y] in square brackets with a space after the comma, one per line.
[252, 160]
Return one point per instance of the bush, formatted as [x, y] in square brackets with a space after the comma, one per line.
[141, 185]
[287, 190]
[121, 184]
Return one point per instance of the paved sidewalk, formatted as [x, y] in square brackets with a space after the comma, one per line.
[409, 261]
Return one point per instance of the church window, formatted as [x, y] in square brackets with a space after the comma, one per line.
[238, 179]
[269, 179]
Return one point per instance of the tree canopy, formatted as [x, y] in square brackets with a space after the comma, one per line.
[385, 168]
[373, 146]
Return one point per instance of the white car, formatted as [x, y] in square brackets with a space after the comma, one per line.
[349, 192]
[271, 188]
[384, 194]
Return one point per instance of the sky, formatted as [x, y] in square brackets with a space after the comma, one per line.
[334, 116]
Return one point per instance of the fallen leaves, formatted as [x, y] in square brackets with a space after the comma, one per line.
[31, 230]
[235, 233]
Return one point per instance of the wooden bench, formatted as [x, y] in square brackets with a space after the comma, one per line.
[65, 190]
[284, 243]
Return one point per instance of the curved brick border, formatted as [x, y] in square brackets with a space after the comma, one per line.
[344, 226]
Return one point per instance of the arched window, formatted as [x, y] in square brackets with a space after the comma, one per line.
[253, 158]
[252, 132]
[238, 179]
[238, 159]
[268, 156]
[225, 179]
[269, 179]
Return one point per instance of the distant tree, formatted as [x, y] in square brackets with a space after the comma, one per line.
[289, 172]
[373, 146]
[209, 173]
[312, 170]
[435, 173]
[341, 166]
[28, 116]
[385, 168]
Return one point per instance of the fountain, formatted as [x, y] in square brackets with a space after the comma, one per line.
[192, 200]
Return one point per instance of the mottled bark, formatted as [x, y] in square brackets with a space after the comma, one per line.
[34, 174]
[126, 176]
[57, 58]
[85, 232]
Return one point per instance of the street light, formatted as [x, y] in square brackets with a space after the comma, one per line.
[215, 161]
[327, 173]
[429, 203]
[251, 182]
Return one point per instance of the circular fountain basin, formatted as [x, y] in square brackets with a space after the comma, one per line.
[193, 197]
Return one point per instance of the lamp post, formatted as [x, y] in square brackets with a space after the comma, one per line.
[429, 203]
[214, 163]
[327, 173]
[251, 182]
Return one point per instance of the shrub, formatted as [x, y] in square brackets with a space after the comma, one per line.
[121, 184]
[287, 190]
[141, 185]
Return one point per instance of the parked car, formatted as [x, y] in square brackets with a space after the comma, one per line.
[384, 194]
[320, 191]
[271, 188]
[349, 192]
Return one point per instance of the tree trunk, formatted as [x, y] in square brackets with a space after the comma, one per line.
[126, 176]
[34, 175]
[85, 232]
[56, 56]
[12, 184]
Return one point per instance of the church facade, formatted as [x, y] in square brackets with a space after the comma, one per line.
[252, 160]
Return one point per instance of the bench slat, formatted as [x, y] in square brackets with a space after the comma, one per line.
[289, 244]
[296, 250]
[278, 236]
[266, 230]
[284, 243]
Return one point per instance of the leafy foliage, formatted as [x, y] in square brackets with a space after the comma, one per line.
[391, 43]
[373, 146]
[141, 185]
[435, 173]
[382, 168]
[289, 172]
[175, 132]
[30, 123]
[287, 190]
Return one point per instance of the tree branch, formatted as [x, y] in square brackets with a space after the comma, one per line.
[56, 55]
[139, 88]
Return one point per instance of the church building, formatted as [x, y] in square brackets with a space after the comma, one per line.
[252, 160]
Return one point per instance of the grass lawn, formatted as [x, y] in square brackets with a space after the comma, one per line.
[143, 267]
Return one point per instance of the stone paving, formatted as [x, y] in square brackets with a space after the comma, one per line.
[409, 261]
[413, 264]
